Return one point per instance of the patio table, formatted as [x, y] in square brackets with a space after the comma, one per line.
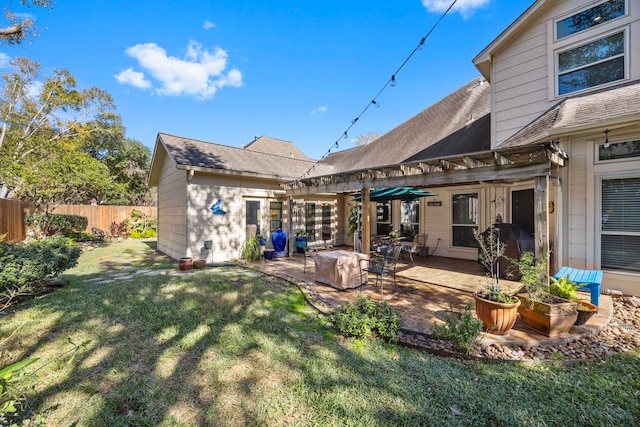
[340, 269]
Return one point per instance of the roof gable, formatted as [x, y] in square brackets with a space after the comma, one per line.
[191, 154]
[279, 147]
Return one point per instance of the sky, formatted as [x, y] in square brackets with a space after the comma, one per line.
[227, 71]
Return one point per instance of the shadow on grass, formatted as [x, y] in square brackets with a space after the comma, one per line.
[227, 346]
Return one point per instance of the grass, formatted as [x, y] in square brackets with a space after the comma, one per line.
[228, 347]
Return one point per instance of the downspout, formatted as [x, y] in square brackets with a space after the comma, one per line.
[188, 222]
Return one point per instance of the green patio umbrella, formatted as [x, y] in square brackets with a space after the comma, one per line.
[395, 193]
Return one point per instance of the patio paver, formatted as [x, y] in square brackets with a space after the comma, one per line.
[427, 292]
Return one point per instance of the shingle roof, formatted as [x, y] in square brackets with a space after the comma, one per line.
[590, 109]
[266, 144]
[217, 157]
[458, 123]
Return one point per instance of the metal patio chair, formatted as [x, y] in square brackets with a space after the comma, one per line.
[384, 265]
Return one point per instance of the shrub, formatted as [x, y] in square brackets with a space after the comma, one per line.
[462, 329]
[119, 229]
[366, 318]
[53, 224]
[251, 250]
[26, 265]
[141, 224]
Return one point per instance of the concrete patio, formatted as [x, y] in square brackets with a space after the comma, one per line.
[426, 291]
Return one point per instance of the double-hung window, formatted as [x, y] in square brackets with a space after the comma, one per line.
[594, 58]
[592, 64]
[620, 224]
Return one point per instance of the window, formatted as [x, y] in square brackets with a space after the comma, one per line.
[465, 219]
[275, 221]
[409, 218]
[326, 222]
[620, 224]
[252, 208]
[589, 18]
[310, 220]
[619, 151]
[592, 64]
[383, 218]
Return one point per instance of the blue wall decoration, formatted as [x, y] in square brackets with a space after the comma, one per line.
[215, 208]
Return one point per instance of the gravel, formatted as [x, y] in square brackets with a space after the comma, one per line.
[621, 335]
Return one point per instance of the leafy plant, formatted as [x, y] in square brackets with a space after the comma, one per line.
[353, 219]
[462, 329]
[251, 249]
[535, 277]
[564, 288]
[140, 224]
[366, 318]
[119, 229]
[301, 233]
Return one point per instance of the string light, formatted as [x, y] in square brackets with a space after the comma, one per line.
[391, 82]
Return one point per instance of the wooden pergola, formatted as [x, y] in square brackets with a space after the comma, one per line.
[505, 166]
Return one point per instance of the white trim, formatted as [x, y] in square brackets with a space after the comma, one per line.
[599, 177]
[579, 10]
[582, 42]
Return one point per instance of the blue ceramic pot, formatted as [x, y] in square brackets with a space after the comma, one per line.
[279, 240]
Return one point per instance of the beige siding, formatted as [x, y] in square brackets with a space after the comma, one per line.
[523, 72]
[583, 205]
[172, 204]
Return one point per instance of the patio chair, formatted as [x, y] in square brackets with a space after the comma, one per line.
[417, 246]
[302, 248]
[384, 265]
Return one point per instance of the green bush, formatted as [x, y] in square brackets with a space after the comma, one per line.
[26, 265]
[366, 318]
[462, 329]
[251, 250]
[141, 225]
[52, 224]
[143, 235]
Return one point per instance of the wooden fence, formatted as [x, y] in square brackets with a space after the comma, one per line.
[102, 216]
[12, 220]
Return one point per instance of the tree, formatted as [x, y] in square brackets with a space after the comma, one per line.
[46, 122]
[19, 27]
[366, 138]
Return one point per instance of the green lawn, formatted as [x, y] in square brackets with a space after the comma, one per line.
[228, 347]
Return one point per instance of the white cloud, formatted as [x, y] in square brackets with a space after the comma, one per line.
[200, 73]
[208, 25]
[4, 60]
[464, 7]
[319, 110]
[133, 78]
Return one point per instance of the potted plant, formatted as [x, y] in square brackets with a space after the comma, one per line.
[302, 240]
[261, 240]
[566, 289]
[540, 308]
[496, 307]
[586, 310]
[185, 263]
[251, 250]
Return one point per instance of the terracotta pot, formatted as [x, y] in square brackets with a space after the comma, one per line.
[185, 263]
[199, 263]
[585, 315]
[498, 318]
[552, 319]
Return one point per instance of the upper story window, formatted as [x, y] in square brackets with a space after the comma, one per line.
[591, 17]
[592, 64]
